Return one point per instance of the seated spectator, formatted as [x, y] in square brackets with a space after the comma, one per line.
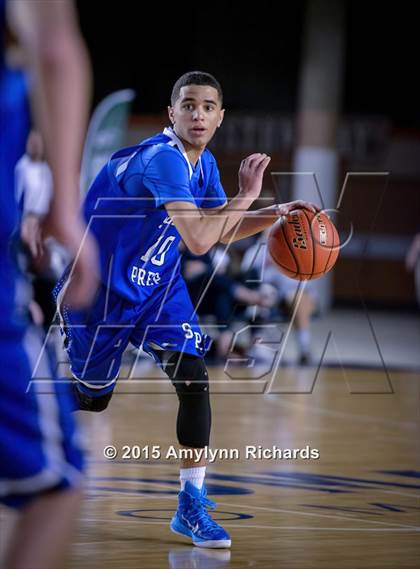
[257, 265]
[218, 297]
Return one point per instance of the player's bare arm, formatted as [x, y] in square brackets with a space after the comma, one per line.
[201, 229]
[252, 222]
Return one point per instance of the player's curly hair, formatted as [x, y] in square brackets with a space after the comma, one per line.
[195, 78]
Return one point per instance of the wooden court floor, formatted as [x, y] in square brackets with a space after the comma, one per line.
[355, 506]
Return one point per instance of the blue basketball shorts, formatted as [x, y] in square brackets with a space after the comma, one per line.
[40, 446]
[96, 339]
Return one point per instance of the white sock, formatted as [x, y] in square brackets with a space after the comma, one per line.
[194, 475]
[304, 340]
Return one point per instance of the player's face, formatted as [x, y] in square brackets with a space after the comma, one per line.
[196, 115]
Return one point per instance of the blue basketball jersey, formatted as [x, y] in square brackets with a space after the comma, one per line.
[14, 128]
[124, 209]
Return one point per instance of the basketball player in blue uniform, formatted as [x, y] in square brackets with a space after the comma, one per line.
[142, 203]
[40, 459]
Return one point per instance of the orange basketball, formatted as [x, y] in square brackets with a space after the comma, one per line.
[304, 245]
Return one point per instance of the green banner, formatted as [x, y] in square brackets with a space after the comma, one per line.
[106, 134]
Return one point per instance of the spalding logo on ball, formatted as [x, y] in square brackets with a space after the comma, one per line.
[304, 245]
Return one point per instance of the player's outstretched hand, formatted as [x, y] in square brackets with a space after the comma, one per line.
[71, 232]
[251, 174]
[286, 208]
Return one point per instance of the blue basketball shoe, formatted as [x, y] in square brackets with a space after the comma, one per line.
[192, 519]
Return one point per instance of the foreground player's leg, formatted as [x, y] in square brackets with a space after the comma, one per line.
[42, 533]
[41, 461]
[190, 378]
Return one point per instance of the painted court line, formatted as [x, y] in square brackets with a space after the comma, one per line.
[347, 518]
[283, 511]
[254, 526]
